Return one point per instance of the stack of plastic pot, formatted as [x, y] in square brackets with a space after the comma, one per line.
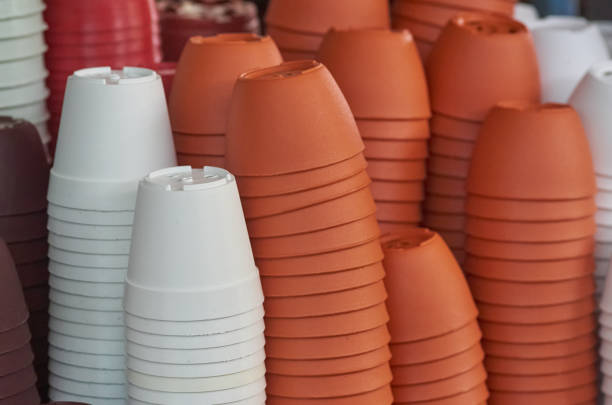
[382, 78]
[202, 90]
[526, 13]
[435, 338]
[94, 33]
[468, 73]
[425, 19]
[114, 130]
[23, 223]
[592, 99]
[22, 66]
[566, 47]
[193, 303]
[311, 219]
[530, 250]
[605, 27]
[17, 375]
[298, 26]
[605, 334]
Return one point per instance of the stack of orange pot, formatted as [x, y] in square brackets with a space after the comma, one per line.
[426, 18]
[298, 26]
[530, 254]
[295, 149]
[202, 90]
[435, 338]
[468, 73]
[392, 115]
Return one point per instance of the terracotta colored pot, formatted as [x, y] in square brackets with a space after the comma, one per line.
[14, 311]
[341, 365]
[269, 103]
[318, 16]
[397, 130]
[529, 210]
[454, 239]
[444, 205]
[517, 367]
[540, 350]
[445, 186]
[529, 251]
[424, 48]
[529, 271]
[455, 128]
[395, 150]
[377, 55]
[449, 147]
[424, 31]
[555, 157]
[537, 315]
[412, 286]
[426, 12]
[27, 397]
[396, 170]
[440, 389]
[13, 384]
[330, 325]
[16, 360]
[257, 207]
[326, 304]
[443, 7]
[394, 227]
[13, 339]
[446, 222]
[477, 395]
[18, 228]
[399, 212]
[438, 370]
[205, 77]
[213, 145]
[552, 332]
[200, 160]
[327, 347]
[477, 46]
[530, 294]
[579, 395]
[397, 191]
[499, 382]
[448, 167]
[362, 255]
[291, 55]
[295, 286]
[382, 396]
[299, 41]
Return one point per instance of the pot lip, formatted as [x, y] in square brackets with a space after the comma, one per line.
[533, 108]
[467, 21]
[286, 70]
[379, 32]
[409, 239]
[602, 72]
[227, 39]
[570, 25]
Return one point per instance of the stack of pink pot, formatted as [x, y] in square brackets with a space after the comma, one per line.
[392, 115]
[530, 247]
[202, 90]
[295, 149]
[468, 73]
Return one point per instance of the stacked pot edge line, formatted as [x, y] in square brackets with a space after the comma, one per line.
[392, 116]
[530, 253]
[312, 226]
[202, 90]
[114, 129]
[475, 44]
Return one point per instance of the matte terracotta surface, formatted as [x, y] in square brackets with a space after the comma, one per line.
[394, 129]
[552, 332]
[560, 381]
[541, 367]
[578, 395]
[448, 166]
[445, 222]
[441, 145]
[445, 186]
[199, 160]
[395, 150]
[211, 145]
[290, 39]
[454, 239]
[440, 12]
[540, 350]
[399, 211]
[444, 205]
[424, 47]
[390, 227]
[19, 228]
[455, 128]
[529, 251]
[529, 210]
[382, 396]
[291, 55]
[14, 311]
[396, 170]
[477, 395]
[425, 31]
[397, 191]
[537, 314]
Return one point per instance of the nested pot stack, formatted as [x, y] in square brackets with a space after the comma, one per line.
[425, 19]
[605, 334]
[312, 223]
[530, 227]
[468, 73]
[22, 65]
[193, 301]
[382, 78]
[24, 175]
[202, 90]
[435, 337]
[298, 27]
[114, 130]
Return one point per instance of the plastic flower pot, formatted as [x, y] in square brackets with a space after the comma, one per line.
[26, 397]
[529, 251]
[88, 274]
[434, 14]
[526, 13]
[445, 186]
[455, 128]
[529, 210]
[88, 260]
[396, 170]
[392, 191]
[84, 231]
[86, 90]
[540, 350]
[57, 38]
[22, 47]
[101, 318]
[87, 303]
[448, 166]
[445, 222]
[13, 339]
[541, 367]
[101, 290]
[449, 147]
[20, 228]
[494, 6]
[213, 145]
[464, 42]
[552, 382]
[395, 150]
[381, 395]
[114, 391]
[354, 54]
[83, 374]
[87, 346]
[91, 246]
[15, 311]
[33, 274]
[85, 331]
[537, 314]
[17, 382]
[25, 94]
[199, 160]
[22, 71]
[92, 52]
[16, 360]
[394, 130]
[553, 332]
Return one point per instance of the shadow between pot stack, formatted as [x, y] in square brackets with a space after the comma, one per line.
[114, 130]
[202, 90]
[530, 228]
[477, 45]
[392, 115]
[435, 338]
[193, 301]
[311, 220]
[298, 26]
[24, 176]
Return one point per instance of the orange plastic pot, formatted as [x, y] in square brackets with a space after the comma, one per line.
[318, 16]
[399, 211]
[444, 205]
[296, 286]
[213, 145]
[205, 77]
[299, 98]
[397, 191]
[397, 170]
[424, 303]
[449, 147]
[585, 394]
[555, 159]
[365, 254]
[556, 381]
[290, 39]
[445, 222]
[529, 251]
[540, 350]
[382, 396]
[200, 160]
[455, 128]
[477, 395]
[257, 207]
[448, 166]
[329, 325]
[438, 370]
[519, 367]
[329, 347]
[343, 210]
[326, 304]
[354, 55]
[543, 333]
[395, 150]
[477, 46]
[445, 186]
[536, 315]
[396, 130]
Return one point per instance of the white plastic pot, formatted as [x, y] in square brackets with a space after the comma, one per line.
[90, 246]
[606, 300]
[526, 13]
[59, 396]
[24, 94]
[22, 26]
[87, 360]
[100, 318]
[87, 303]
[87, 346]
[22, 71]
[22, 47]
[80, 330]
[115, 391]
[18, 8]
[99, 232]
[88, 260]
[34, 112]
[89, 274]
[88, 375]
[84, 288]
[91, 217]
[259, 399]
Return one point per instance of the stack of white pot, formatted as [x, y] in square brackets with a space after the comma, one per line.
[114, 130]
[193, 300]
